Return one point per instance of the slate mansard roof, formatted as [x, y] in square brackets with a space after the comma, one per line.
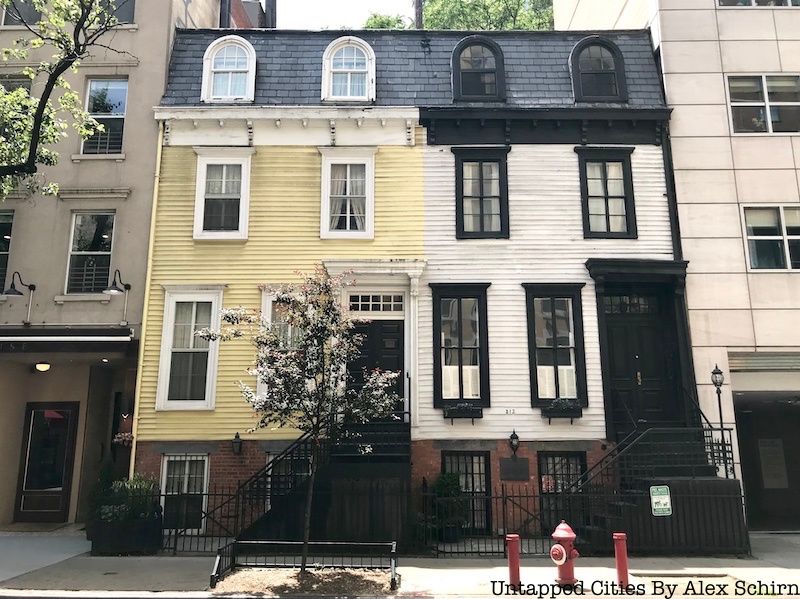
[414, 67]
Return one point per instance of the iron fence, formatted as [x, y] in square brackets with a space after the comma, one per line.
[321, 554]
[707, 518]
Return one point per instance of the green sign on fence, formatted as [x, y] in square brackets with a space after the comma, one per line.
[660, 500]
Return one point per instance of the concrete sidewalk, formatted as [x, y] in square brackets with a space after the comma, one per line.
[777, 559]
[25, 552]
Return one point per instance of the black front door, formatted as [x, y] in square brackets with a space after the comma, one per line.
[383, 348]
[48, 453]
[642, 361]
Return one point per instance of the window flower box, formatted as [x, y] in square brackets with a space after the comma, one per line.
[562, 408]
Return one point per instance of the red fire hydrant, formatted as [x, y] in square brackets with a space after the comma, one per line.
[563, 554]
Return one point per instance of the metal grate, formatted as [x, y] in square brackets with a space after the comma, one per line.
[632, 303]
[472, 469]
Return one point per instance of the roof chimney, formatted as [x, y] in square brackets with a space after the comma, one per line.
[271, 13]
[224, 14]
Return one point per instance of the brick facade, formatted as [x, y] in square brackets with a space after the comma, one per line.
[426, 457]
[226, 469]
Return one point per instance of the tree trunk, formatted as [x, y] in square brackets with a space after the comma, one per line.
[309, 499]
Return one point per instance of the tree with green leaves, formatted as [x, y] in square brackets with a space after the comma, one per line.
[301, 363]
[378, 21]
[478, 15]
[58, 35]
[489, 15]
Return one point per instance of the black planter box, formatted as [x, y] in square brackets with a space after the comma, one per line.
[562, 412]
[130, 537]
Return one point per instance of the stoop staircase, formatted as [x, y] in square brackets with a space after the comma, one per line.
[354, 459]
[696, 462]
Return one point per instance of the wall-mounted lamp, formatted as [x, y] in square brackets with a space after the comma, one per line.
[117, 287]
[717, 378]
[41, 366]
[236, 444]
[14, 292]
[513, 442]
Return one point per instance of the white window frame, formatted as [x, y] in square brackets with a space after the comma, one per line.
[207, 88]
[171, 298]
[70, 252]
[783, 236]
[226, 156]
[327, 69]
[360, 155]
[766, 103]
[123, 117]
[183, 457]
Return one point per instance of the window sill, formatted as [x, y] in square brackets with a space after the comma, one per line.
[82, 297]
[184, 406]
[346, 236]
[81, 157]
[227, 238]
[3, 298]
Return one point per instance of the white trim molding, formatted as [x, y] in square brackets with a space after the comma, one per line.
[207, 89]
[327, 69]
[171, 298]
[350, 155]
[230, 156]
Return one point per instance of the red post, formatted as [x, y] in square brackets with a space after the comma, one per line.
[512, 548]
[621, 555]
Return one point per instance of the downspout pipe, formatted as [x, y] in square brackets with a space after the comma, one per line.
[147, 286]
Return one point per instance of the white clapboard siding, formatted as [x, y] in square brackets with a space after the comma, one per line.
[546, 246]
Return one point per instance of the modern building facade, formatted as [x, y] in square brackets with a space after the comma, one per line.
[68, 348]
[732, 77]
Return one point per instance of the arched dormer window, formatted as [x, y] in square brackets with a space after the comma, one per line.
[598, 71]
[348, 71]
[478, 70]
[229, 71]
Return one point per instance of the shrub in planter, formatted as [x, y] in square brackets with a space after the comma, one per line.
[452, 507]
[127, 519]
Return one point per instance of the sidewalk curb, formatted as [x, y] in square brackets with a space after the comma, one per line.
[678, 574]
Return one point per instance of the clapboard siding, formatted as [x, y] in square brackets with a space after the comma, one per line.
[546, 245]
[283, 239]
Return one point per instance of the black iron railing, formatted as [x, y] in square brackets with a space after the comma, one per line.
[321, 554]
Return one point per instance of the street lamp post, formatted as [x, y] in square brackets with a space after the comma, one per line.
[717, 378]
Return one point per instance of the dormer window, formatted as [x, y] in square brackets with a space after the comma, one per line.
[598, 71]
[229, 71]
[478, 70]
[348, 71]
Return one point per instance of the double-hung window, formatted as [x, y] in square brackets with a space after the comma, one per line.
[765, 103]
[6, 223]
[773, 237]
[187, 372]
[461, 347]
[107, 103]
[274, 315]
[90, 252]
[222, 200]
[555, 343]
[348, 193]
[348, 71]
[481, 193]
[184, 479]
[607, 192]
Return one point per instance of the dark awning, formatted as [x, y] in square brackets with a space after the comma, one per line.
[65, 339]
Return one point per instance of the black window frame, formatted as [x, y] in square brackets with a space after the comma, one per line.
[499, 155]
[5, 255]
[619, 71]
[499, 63]
[572, 291]
[623, 155]
[477, 291]
[543, 456]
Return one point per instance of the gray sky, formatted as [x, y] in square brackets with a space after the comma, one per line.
[336, 14]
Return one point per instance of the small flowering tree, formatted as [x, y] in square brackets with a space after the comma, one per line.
[301, 362]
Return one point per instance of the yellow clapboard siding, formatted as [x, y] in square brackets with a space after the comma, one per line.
[283, 239]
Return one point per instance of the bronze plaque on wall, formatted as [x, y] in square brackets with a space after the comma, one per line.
[514, 469]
